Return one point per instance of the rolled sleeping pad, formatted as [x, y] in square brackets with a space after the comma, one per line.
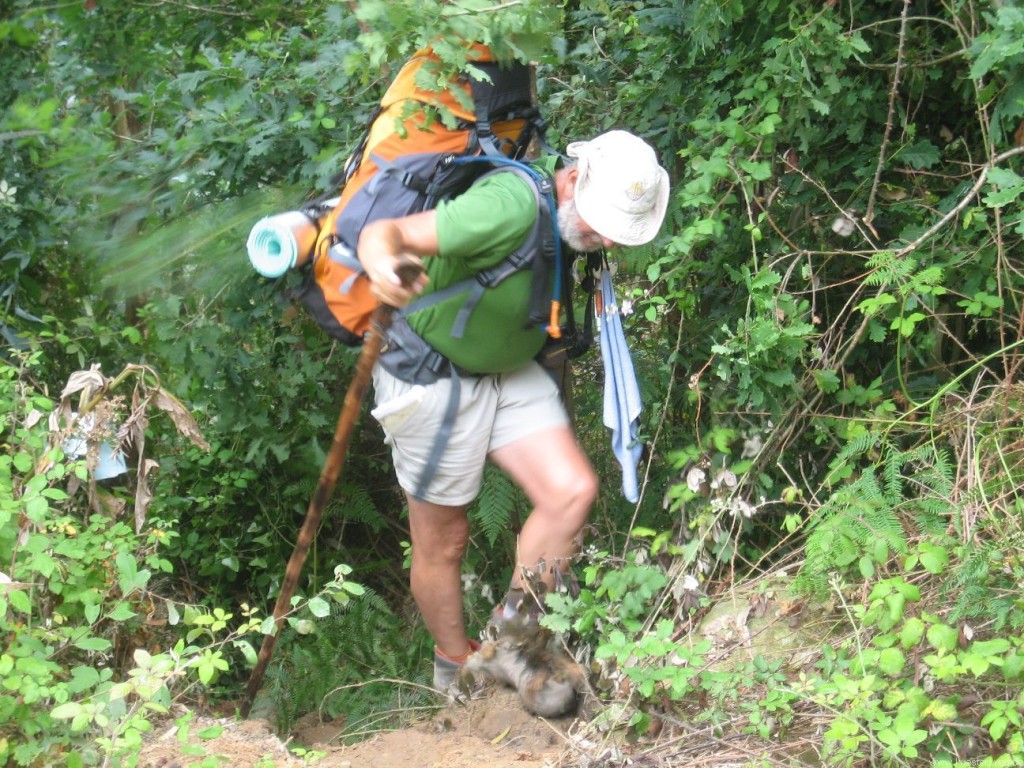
[282, 242]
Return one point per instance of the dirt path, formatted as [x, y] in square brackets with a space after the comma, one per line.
[491, 732]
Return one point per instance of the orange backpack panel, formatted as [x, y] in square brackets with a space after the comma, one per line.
[400, 168]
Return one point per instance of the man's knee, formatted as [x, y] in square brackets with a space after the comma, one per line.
[448, 548]
[579, 489]
[572, 499]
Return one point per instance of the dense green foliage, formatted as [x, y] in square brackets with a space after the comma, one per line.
[828, 335]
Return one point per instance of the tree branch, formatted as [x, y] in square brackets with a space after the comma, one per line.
[870, 212]
[1001, 158]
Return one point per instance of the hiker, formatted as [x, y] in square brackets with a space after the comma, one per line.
[610, 191]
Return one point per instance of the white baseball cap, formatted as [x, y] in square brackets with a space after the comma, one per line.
[621, 190]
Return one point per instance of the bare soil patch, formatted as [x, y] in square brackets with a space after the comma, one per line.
[492, 731]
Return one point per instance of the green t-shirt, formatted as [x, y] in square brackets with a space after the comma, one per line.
[475, 231]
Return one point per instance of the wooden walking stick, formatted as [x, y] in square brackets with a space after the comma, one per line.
[350, 408]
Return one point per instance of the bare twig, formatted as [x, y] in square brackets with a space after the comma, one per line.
[198, 8]
[964, 202]
[491, 9]
[604, 55]
[870, 212]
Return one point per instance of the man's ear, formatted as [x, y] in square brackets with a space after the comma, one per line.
[566, 184]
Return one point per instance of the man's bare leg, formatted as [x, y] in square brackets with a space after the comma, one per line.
[439, 536]
[557, 478]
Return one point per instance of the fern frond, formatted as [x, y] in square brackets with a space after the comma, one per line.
[847, 526]
[495, 508]
[892, 471]
[889, 268]
[932, 469]
[353, 503]
[856, 447]
[930, 515]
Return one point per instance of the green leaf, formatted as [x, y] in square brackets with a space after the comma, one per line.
[880, 550]
[912, 632]
[212, 732]
[19, 601]
[891, 661]
[354, 588]
[22, 462]
[820, 106]
[1006, 185]
[758, 170]
[909, 591]
[871, 306]
[905, 325]
[121, 612]
[36, 507]
[975, 664]
[858, 43]
[98, 644]
[130, 578]
[933, 558]
[319, 607]
[248, 652]
[827, 381]
[888, 737]
[940, 710]
[66, 711]
[302, 626]
[82, 679]
[1013, 666]
[942, 637]
[268, 626]
[920, 155]
[866, 566]
[995, 647]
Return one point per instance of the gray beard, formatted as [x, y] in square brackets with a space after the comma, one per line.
[569, 227]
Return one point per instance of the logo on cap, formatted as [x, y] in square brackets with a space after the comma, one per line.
[636, 190]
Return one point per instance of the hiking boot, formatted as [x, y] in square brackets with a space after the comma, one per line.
[495, 626]
[446, 671]
[518, 608]
[522, 658]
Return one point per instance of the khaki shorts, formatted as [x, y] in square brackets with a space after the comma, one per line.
[494, 411]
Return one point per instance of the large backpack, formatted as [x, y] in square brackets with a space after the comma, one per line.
[409, 160]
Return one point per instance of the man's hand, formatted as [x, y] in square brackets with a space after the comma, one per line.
[395, 280]
[390, 251]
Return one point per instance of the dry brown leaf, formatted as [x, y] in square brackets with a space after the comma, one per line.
[33, 418]
[8, 585]
[142, 493]
[135, 426]
[80, 380]
[180, 416]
